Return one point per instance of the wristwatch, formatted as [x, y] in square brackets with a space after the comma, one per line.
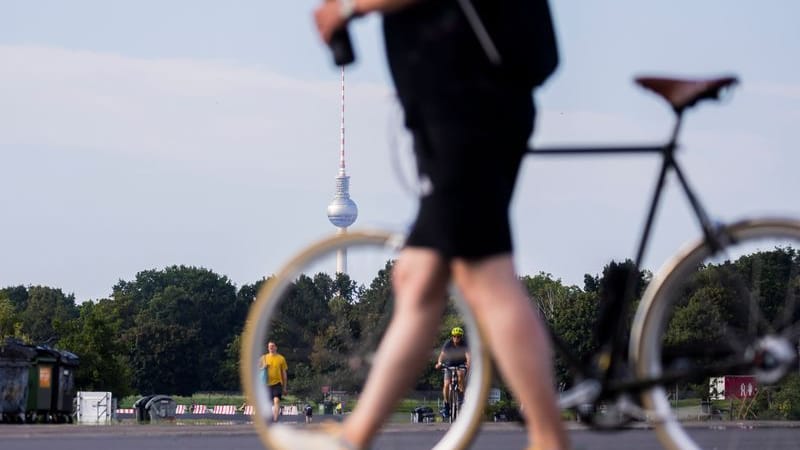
[347, 9]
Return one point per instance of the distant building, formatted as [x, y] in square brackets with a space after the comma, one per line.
[342, 211]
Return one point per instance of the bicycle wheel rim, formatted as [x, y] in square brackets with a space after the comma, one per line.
[655, 312]
[263, 310]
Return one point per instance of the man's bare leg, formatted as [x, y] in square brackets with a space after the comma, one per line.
[420, 279]
[276, 408]
[524, 356]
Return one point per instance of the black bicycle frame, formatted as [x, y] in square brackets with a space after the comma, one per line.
[614, 352]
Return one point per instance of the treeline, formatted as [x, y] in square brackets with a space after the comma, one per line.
[720, 314]
[178, 330]
[168, 331]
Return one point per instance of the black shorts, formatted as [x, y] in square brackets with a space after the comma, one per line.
[471, 122]
[469, 143]
[276, 390]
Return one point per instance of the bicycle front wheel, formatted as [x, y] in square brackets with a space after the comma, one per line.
[453, 402]
[720, 325]
[328, 326]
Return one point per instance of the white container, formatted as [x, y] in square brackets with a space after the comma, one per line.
[95, 408]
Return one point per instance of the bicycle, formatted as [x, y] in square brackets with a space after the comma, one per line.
[454, 395]
[748, 297]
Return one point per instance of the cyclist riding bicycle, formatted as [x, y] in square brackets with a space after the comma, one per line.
[454, 356]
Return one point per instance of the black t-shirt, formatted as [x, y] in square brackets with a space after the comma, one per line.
[455, 355]
[431, 43]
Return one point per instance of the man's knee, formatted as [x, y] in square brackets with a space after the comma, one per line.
[422, 273]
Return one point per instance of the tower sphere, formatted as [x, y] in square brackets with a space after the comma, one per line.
[342, 212]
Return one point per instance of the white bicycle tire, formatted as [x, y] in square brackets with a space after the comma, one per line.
[457, 437]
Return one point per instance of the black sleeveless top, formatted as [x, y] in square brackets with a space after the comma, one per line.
[455, 355]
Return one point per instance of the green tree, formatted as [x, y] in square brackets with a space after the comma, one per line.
[94, 337]
[10, 323]
[341, 346]
[302, 315]
[548, 293]
[697, 322]
[45, 310]
[723, 304]
[167, 358]
[772, 280]
[581, 319]
[591, 283]
[229, 366]
[574, 322]
[18, 295]
[374, 307]
[184, 321]
[569, 312]
[785, 400]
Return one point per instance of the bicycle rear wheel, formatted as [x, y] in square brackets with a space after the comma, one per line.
[328, 327]
[732, 315]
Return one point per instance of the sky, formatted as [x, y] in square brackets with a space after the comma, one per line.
[138, 135]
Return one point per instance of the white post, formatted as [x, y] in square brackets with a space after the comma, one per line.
[341, 255]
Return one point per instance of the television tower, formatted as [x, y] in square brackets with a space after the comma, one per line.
[342, 211]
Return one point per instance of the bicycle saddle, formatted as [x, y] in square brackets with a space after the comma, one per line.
[682, 93]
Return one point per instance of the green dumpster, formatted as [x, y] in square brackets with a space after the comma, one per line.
[64, 386]
[41, 384]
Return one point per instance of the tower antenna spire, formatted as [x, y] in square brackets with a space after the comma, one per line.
[341, 144]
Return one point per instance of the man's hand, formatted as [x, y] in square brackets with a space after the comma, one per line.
[438, 365]
[329, 18]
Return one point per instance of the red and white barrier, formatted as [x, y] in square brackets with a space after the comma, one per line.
[224, 409]
[247, 410]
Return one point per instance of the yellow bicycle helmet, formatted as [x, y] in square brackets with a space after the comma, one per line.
[457, 331]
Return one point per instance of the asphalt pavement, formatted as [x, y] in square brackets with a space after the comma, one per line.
[493, 436]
